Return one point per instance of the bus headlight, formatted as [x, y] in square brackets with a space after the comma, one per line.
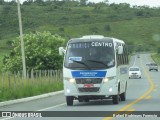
[110, 89]
[105, 80]
[71, 80]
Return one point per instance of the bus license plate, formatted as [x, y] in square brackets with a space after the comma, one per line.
[88, 85]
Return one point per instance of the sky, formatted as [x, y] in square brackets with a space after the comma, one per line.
[151, 3]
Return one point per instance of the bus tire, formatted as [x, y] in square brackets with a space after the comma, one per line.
[115, 99]
[123, 96]
[69, 100]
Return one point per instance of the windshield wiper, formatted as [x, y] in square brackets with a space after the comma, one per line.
[81, 63]
[98, 62]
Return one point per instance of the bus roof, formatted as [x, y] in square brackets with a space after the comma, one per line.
[118, 40]
[91, 37]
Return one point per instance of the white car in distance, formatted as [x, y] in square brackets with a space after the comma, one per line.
[134, 72]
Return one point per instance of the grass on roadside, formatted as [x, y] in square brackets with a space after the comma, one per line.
[156, 58]
[11, 89]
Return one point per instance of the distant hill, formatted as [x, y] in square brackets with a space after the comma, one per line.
[138, 26]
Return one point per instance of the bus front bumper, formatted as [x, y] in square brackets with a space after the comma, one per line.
[103, 89]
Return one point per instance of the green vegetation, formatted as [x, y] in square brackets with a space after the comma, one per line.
[41, 52]
[14, 87]
[138, 26]
[28, 89]
[156, 58]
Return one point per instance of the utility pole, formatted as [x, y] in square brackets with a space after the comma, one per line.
[21, 38]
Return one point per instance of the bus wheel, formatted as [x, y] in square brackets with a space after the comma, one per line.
[69, 100]
[115, 99]
[123, 96]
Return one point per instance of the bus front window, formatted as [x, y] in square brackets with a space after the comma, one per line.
[95, 57]
[104, 55]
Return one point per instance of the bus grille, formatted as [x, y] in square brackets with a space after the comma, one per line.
[89, 80]
[95, 89]
[134, 73]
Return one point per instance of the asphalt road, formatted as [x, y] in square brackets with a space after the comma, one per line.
[142, 95]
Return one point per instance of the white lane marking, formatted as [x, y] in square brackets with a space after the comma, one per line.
[38, 110]
[146, 57]
[134, 60]
[52, 107]
[6, 118]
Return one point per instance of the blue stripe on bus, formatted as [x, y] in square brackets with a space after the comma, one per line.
[88, 74]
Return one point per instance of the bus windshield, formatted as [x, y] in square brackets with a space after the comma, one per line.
[90, 55]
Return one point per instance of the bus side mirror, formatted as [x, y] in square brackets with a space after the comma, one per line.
[120, 49]
[62, 51]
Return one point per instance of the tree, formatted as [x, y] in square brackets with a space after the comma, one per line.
[83, 2]
[6, 9]
[158, 50]
[28, 2]
[94, 30]
[41, 52]
[2, 2]
[140, 13]
[106, 1]
[39, 2]
[13, 2]
[107, 28]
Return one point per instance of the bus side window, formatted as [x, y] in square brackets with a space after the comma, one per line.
[123, 58]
